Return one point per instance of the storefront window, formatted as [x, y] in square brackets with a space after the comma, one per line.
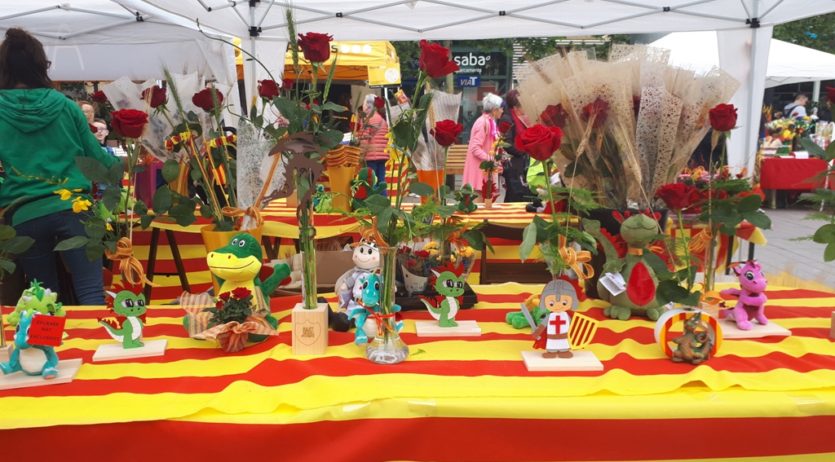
[480, 72]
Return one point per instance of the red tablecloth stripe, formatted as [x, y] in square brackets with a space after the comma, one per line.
[791, 174]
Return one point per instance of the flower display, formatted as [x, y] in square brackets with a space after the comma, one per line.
[723, 117]
[129, 123]
[80, 204]
[316, 47]
[204, 100]
[99, 97]
[539, 141]
[446, 132]
[553, 116]
[504, 127]
[158, 96]
[267, 89]
[599, 109]
[678, 196]
[435, 60]
[379, 103]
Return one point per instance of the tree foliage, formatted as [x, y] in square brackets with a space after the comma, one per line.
[817, 32]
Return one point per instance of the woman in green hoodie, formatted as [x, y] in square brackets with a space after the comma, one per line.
[42, 133]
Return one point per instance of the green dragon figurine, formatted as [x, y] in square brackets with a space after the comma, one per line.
[639, 297]
[128, 303]
[39, 299]
[449, 284]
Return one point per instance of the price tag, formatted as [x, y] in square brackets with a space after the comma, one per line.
[46, 330]
[614, 283]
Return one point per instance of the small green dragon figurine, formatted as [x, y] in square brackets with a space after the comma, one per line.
[129, 305]
[39, 299]
[449, 284]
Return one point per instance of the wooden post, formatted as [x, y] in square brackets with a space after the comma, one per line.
[832, 327]
[310, 329]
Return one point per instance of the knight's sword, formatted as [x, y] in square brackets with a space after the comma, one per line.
[527, 314]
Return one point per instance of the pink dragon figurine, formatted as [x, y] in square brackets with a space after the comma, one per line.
[751, 295]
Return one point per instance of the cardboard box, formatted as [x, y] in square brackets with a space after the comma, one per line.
[330, 265]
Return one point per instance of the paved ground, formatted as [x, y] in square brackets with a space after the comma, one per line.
[802, 259]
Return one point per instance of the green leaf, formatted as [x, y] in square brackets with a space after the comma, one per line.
[170, 170]
[331, 106]
[528, 241]
[72, 243]
[758, 219]
[145, 221]
[94, 250]
[94, 170]
[384, 217]
[825, 234]
[813, 148]
[330, 138]
[17, 245]
[205, 210]
[287, 107]
[111, 197]
[115, 174]
[829, 252]
[475, 238]
[6, 267]
[7, 232]
[750, 203]
[376, 204]
[670, 291]
[162, 200]
[183, 213]
[421, 189]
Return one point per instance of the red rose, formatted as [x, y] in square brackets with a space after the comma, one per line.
[504, 127]
[99, 97]
[446, 131]
[434, 60]
[93, 128]
[362, 193]
[203, 99]
[267, 89]
[129, 123]
[315, 47]
[553, 116]
[678, 196]
[489, 189]
[379, 103]
[830, 95]
[224, 296]
[723, 117]
[287, 84]
[539, 141]
[158, 95]
[240, 293]
[599, 109]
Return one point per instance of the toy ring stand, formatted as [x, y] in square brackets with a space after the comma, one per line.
[671, 318]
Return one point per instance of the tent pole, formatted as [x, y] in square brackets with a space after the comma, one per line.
[816, 91]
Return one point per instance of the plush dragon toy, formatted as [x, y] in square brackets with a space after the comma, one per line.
[449, 284]
[39, 299]
[367, 305]
[128, 303]
[27, 358]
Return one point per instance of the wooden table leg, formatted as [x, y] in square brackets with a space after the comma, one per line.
[750, 251]
[271, 245]
[152, 262]
[178, 261]
[729, 258]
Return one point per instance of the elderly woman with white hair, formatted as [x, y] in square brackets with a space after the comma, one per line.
[373, 136]
[482, 137]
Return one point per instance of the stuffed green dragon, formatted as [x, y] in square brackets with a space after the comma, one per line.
[128, 303]
[238, 264]
[449, 284]
[639, 296]
[39, 299]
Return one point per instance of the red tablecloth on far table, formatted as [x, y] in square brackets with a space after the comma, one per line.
[791, 174]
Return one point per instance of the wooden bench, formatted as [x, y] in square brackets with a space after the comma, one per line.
[455, 159]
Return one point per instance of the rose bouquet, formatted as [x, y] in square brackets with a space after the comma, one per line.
[232, 321]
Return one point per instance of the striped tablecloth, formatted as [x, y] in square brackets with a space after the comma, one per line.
[454, 399]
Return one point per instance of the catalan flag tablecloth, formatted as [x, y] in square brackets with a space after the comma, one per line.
[454, 399]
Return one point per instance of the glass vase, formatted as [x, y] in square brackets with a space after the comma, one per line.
[307, 245]
[387, 347]
[710, 260]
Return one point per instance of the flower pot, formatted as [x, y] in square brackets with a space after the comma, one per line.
[434, 178]
[340, 177]
[231, 342]
[213, 240]
[413, 282]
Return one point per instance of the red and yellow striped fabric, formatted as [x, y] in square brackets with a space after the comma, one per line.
[454, 399]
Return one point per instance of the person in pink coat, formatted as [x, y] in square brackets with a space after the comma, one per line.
[482, 136]
[373, 139]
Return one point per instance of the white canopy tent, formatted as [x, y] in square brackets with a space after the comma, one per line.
[787, 62]
[745, 29]
[101, 40]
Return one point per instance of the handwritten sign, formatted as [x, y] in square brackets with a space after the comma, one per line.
[46, 330]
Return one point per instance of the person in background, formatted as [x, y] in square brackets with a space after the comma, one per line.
[482, 137]
[516, 173]
[797, 108]
[373, 138]
[88, 109]
[101, 135]
[43, 133]
[772, 138]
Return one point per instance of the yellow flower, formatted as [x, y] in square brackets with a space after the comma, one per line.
[108, 227]
[65, 194]
[80, 205]
[431, 245]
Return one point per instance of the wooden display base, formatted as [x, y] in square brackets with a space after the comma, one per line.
[730, 331]
[66, 373]
[310, 330]
[5, 353]
[432, 329]
[583, 360]
[115, 351]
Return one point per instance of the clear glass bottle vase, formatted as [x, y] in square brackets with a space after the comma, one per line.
[387, 347]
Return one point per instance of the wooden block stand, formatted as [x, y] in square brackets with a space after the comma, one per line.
[115, 351]
[432, 329]
[583, 360]
[66, 373]
[772, 329]
[5, 353]
[310, 330]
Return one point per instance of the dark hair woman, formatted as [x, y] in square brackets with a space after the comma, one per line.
[514, 119]
[43, 132]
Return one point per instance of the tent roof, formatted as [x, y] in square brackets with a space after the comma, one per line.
[101, 40]
[787, 62]
[476, 19]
